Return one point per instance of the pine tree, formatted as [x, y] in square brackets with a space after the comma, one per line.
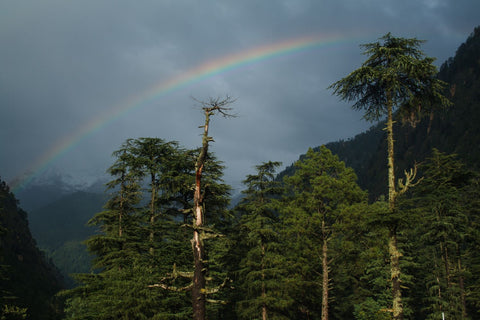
[317, 191]
[137, 240]
[443, 206]
[396, 75]
[359, 263]
[262, 273]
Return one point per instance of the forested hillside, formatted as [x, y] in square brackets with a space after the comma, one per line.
[28, 282]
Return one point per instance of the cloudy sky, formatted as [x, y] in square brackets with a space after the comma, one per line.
[77, 78]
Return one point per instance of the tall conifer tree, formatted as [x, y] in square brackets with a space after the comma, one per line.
[316, 192]
[263, 268]
[396, 75]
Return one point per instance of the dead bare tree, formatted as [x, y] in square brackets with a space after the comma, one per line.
[210, 107]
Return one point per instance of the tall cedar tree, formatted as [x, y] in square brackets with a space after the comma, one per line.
[396, 75]
[317, 191]
[124, 263]
[153, 158]
[262, 270]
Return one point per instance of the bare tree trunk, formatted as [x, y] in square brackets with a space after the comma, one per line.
[198, 289]
[120, 213]
[446, 263]
[199, 282]
[264, 293]
[395, 275]
[392, 244]
[152, 212]
[325, 279]
[462, 286]
[390, 160]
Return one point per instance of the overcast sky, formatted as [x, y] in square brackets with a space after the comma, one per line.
[64, 64]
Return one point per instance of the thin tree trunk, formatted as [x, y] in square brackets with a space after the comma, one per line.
[392, 245]
[152, 213]
[199, 281]
[395, 275]
[462, 286]
[198, 289]
[437, 278]
[446, 264]
[264, 293]
[120, 214]
[390, 160]
[325, 279]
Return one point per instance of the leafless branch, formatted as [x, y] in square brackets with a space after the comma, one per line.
[410, 176]
[219, 105]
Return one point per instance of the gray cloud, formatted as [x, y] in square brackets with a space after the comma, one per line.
[64, 63]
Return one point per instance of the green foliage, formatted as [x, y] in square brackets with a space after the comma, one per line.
[396, 73]
[370, 310]
[142, 255]
[315, 195]
[263, 269]
[13, 313]
[443, 202]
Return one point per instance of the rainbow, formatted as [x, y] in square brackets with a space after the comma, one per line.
[194, 75]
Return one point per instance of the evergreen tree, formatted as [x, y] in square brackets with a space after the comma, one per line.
[262, 273]
[442, 203]
[130, 230]
[319, 188]
[359, 257]
[396, 75]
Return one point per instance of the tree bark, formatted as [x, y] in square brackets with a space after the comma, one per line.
[325, 279]
[152, 212]
[392, 244]
[264, 293]
[390, 157]
[461, 284]
[395, 275]
[199, 282]
[198, 289]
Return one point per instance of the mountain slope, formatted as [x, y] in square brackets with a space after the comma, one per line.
[27, 280]
[60, 229]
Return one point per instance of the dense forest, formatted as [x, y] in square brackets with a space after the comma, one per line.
[354, 229]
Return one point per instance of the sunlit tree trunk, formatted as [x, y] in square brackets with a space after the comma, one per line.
[152, 212]
[264, 293]
[395, 255]
[199, 282]
[461, 284]
[198, 290]
[325, 279]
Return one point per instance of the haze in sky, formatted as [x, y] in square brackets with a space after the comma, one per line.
[78, 78]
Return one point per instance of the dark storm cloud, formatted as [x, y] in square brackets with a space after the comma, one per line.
[63, 63]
